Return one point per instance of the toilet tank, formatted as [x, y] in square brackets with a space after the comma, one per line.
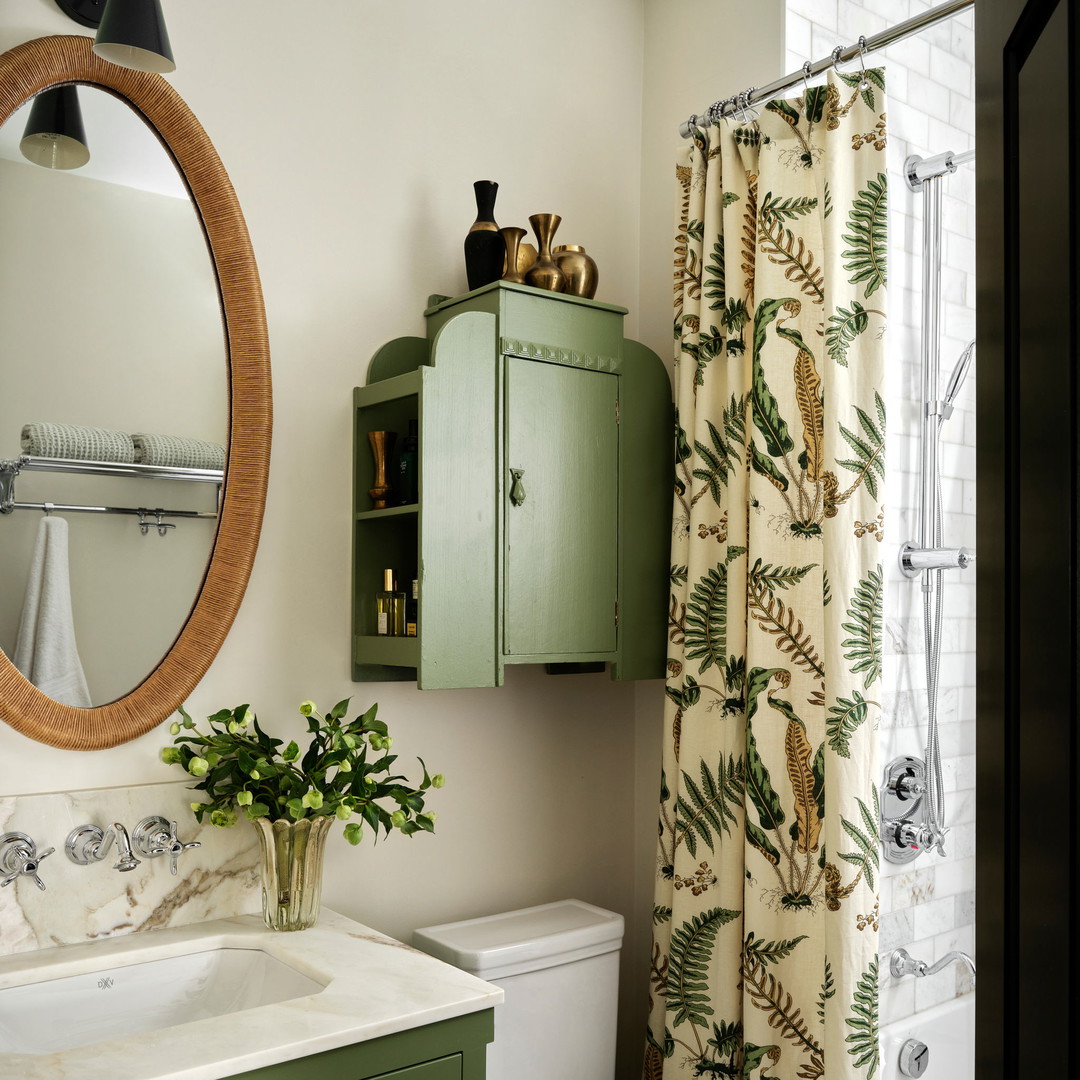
[558, 965]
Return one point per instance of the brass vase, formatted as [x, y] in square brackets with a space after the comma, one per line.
[512, 237]
[484, 248]
[291, 865]
[545, 274]
[382, 446]
[579, 269]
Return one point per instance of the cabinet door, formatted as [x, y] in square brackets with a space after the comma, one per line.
[561, 510]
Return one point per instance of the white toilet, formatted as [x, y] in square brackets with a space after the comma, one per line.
[558, 965]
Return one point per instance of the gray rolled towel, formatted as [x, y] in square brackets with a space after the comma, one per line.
[177, 451]
[40, 439]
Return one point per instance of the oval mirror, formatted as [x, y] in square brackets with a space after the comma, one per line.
[108, 359]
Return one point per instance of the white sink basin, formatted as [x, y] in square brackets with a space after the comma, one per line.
[135, 998]
[217, 999]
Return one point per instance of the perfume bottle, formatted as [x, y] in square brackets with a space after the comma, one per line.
[389, 608]
[412, 607]
[406, 486]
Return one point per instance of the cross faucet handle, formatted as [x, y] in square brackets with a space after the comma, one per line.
[156, 836]
[19, 856]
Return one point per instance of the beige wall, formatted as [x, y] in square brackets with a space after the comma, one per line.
[353, 132]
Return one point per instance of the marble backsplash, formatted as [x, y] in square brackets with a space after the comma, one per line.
[81, 903]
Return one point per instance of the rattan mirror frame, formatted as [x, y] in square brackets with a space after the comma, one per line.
[26, 70]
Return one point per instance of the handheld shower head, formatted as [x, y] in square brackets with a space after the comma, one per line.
[959, 374]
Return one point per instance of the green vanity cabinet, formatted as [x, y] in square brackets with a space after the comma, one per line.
[542, 529]
[449, 1050]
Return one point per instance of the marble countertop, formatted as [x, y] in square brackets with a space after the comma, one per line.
[374, 986]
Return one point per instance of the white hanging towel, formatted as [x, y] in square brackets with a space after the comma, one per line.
[45, 650]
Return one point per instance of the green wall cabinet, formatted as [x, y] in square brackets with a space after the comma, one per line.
[542, 529]
[449, 1050]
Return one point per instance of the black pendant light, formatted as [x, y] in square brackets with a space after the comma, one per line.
[131, 33]
[54, 137]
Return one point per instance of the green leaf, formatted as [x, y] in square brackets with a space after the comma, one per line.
[844, 326]
[769, 952]
[814, 103]
[761, 842]
[867, 237]
[759, 786]
[689, 956]
[788, 112]
[765, 410]
[706, 619]
[869, 461]
[787, 209]
[764, 465]
[867, 858]
[864, 626]
[661, 915]
[710, 810]
[845, 717]
[778, 577]
[714, 287]
[828, 990]
[874, 77]
[863, 1020]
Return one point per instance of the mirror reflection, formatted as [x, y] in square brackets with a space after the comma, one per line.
[109, 321]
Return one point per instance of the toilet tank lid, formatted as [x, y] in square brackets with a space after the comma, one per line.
[539, 936]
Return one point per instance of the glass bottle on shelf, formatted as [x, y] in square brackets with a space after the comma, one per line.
[389, 608]
[412, 605]
[406, 486]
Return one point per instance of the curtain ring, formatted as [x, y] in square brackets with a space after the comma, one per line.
[751, 109]
[716, 109]
[864, 82]
[806, 76]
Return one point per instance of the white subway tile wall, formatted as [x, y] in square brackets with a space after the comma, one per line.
[928, 907]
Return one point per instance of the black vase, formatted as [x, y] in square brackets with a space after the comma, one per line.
[485, 251]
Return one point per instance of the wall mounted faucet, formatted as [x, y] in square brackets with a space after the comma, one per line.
[901, 964]
[152, 837]
[156, 836]
[19, 856]
[90, 843]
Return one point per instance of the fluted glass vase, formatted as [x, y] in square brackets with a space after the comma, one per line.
[292, 867]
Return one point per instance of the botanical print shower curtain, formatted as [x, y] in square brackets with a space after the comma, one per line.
[764, 958]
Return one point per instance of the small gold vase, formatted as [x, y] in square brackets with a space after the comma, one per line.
[579, 269]
[382, 446]
[545, 274]
[512, 237]
[291, 865]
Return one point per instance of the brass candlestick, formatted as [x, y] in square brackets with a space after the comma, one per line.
[382, 446]
[546, 273]
[512, 237]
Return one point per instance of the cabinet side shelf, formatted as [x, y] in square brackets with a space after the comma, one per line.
[388, 511]
[400, 386]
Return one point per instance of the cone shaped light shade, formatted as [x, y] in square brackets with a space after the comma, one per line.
[132, 34]
[54, 137]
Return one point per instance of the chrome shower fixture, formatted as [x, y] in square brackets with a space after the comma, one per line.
[956, 380]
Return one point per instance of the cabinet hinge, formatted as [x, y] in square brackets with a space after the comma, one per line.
[617, 411]
[616, 612]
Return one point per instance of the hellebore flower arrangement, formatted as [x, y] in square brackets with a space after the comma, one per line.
[344, 772]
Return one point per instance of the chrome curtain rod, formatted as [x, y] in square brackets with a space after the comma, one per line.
[755, 95]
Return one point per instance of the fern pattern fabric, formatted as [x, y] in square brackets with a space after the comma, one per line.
[764, 960]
